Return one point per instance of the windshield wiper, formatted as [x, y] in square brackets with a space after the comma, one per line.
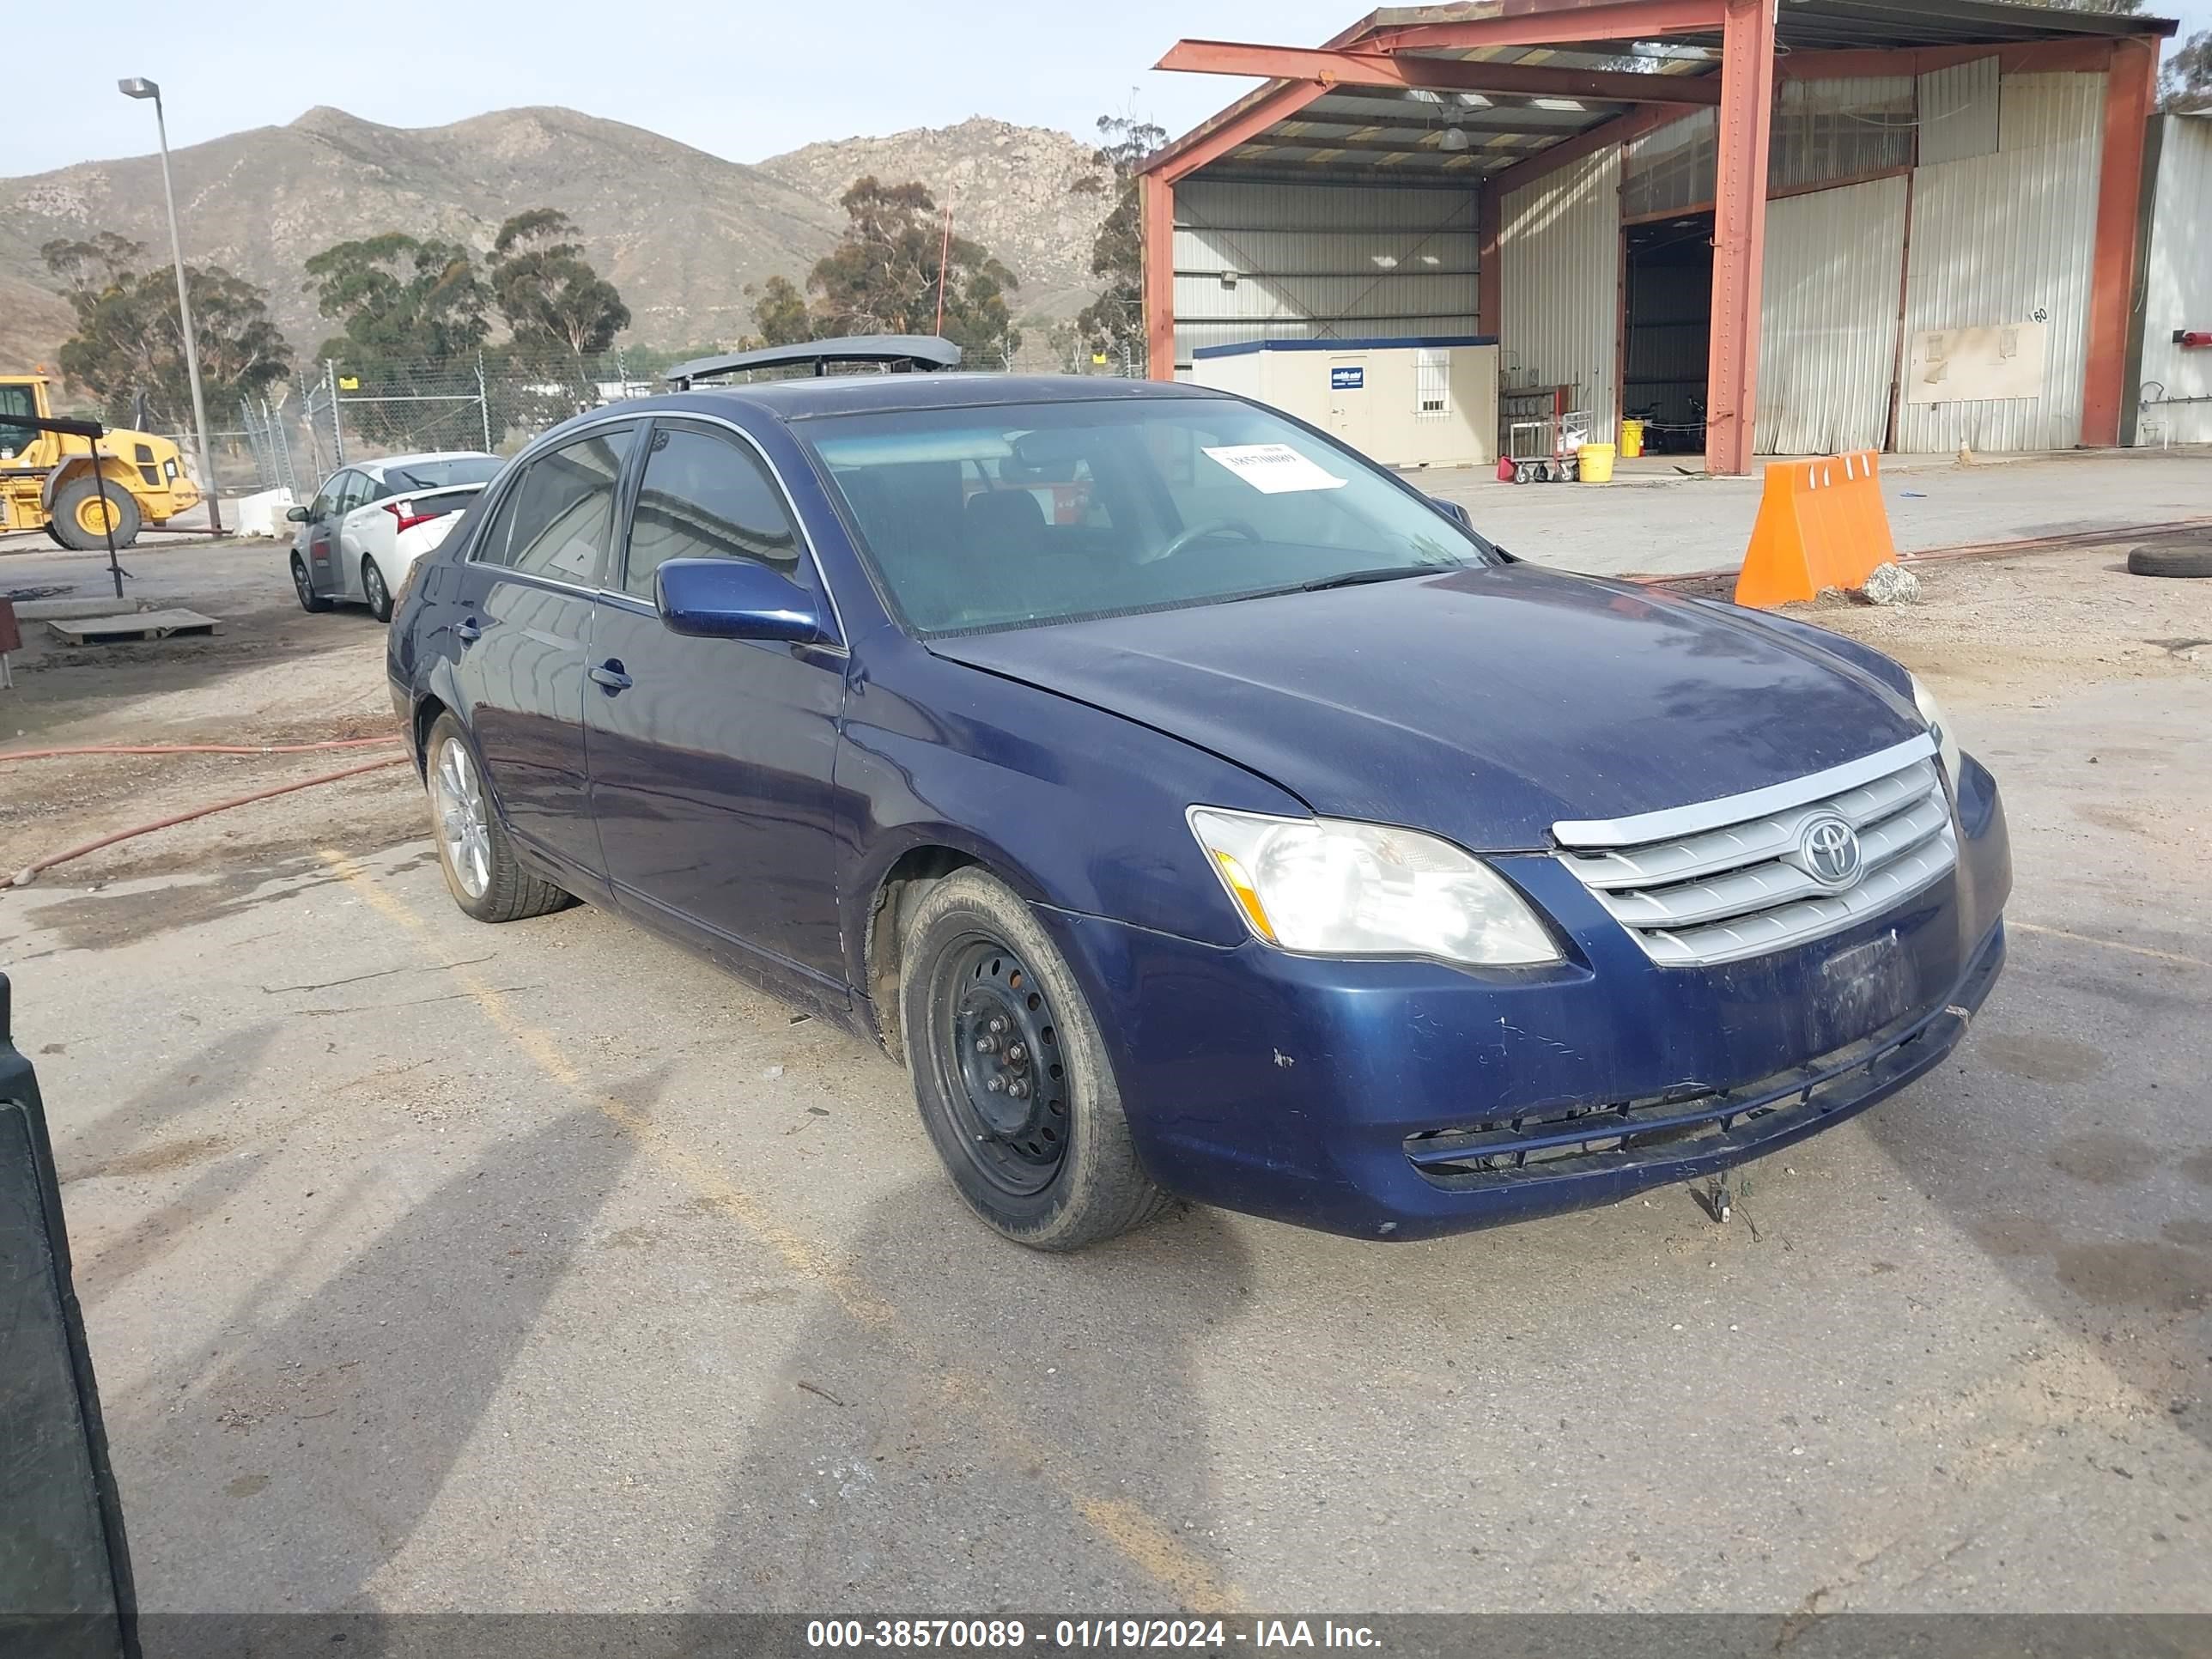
[1361, 578]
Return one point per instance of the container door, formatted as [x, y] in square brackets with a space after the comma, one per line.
[1350, 404]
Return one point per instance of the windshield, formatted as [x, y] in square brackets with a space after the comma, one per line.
[442, 475]
[1005, 517]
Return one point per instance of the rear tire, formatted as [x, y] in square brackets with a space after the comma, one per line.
[2188, 559]
[478, 861]
[83, 496]
[310, 601]
[373, 590]
[1045, 1158]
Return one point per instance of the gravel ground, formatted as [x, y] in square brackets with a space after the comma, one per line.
[430, 1265]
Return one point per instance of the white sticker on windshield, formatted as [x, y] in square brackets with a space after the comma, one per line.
[1275, 469]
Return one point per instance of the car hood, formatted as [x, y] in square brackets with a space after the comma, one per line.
[1484, 705]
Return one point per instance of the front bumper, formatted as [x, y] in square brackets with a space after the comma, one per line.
[1407, 1099]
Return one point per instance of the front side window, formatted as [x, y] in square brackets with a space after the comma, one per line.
[557, 517]
[326, 499]
[985, 518]
[706, 496]
[16, 400]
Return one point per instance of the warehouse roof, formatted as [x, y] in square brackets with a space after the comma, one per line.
[1469, 128]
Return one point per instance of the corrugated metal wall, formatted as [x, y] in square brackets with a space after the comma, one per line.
[1560, 243]
[1258, 261]
[1958, 112]
[1827, 336]
[1828, 130]
[2177, 383]
[2010, 238]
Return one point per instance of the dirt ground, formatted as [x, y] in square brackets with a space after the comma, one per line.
[430, 1265]
[2013, 632]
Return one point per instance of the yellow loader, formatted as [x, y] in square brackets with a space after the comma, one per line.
[51, 481]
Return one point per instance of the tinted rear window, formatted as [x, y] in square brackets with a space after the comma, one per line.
[442, 475]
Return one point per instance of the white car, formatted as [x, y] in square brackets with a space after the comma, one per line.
[370, 522]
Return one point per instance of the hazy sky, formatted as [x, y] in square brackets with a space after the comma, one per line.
[741, 80]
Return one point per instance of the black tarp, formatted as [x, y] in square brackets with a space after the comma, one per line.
[64, 1568]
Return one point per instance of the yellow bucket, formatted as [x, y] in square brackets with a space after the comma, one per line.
[1596, 463]
[1631, 439]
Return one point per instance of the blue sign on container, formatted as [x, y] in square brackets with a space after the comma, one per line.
[1348, 379]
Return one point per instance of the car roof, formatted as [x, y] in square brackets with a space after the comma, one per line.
[808, 397]
[381, 462]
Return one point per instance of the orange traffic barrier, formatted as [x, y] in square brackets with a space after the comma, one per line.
[1822, 524]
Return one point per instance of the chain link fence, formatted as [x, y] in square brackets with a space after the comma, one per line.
[333, 411]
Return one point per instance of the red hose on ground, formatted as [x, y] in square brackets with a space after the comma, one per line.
[195, 748]
[29, 871]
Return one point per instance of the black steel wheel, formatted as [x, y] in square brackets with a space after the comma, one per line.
[1010, 1072]
[993, 1031]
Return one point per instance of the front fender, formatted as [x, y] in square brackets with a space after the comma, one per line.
[1075, 808]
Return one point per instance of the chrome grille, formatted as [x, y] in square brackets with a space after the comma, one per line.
[1727, 879]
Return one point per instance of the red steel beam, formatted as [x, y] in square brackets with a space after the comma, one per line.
[1239, 125]
[2131, 90]
[1155, 208]
[1739, 234]
[1331, 68]
[1617, 20]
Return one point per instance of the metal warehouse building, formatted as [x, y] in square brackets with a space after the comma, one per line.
[1827, 225]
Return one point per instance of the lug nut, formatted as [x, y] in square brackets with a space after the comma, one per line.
[1018, 1088]
[998, 1024]
[1016, 1054]
[995, 1084]
[987, 1045]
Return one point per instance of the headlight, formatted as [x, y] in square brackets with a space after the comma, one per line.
[1938, 728]
[1336, 889]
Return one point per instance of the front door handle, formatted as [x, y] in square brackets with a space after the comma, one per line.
[467, 632]
[610, 678]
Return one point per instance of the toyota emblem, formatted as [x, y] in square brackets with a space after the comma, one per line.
[1830, 847]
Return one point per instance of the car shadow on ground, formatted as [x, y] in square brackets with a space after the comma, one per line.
[964, 1383]
[352, 1407]
[2068, 1154]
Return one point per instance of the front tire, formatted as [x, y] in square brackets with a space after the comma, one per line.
[478, 861]
[310, 601]
[86, 508]
[1010, 1073]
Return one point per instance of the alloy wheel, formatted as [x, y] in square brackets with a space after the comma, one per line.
[463, 828]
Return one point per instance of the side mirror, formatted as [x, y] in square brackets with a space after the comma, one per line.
[1454, 511]
[734, 599]
[295, 514]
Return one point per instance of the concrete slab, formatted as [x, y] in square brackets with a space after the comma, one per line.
[1660, 527]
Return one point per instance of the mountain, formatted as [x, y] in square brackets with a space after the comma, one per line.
[1011, 188]
[680, 232]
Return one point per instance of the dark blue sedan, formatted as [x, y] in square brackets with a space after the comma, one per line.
[1192, 805]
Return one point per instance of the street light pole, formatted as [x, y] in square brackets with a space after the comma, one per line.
[139, 87]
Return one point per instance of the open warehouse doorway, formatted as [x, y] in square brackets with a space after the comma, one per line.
[1667, 323]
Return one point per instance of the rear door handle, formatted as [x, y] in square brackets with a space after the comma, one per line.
[467, 632]
[610, 676]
